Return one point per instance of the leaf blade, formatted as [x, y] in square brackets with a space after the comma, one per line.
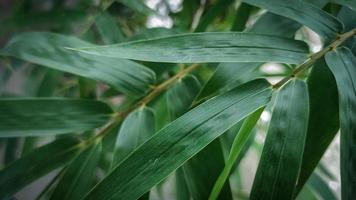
[46, 116]
[75, 181]
[36, 164]
[321, 22]
[176, 139]
[48, 49]
[207, 47]
[278, 170]
[342, 64]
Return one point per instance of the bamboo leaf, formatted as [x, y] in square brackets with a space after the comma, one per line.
[307, 14]
[321, 187]
[228, 75]
[207, 47]
[237, 146]
[181, 96]
[342, 63]
[208, 161]
[79, 175]
[241, 17]
[137, 128]
[43, 116]
[211, 13]
[323, 119]
[348, 3]
[48, 49]
[36, 164]
[108, 29]
[203, 169]
[281, 158]
[173, 145]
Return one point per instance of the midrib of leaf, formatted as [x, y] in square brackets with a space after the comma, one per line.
[281, 153]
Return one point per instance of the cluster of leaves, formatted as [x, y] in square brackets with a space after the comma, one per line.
[123, 117]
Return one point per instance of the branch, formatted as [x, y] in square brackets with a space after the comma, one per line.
[314, 57]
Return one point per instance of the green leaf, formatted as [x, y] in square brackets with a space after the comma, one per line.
[237, 147]
[79, 175]
[48, 49]
[136, 129]
[321, 187]
[211, 13]
[323, 119]
[307, 14]
[273, 24]
[36, 164]
[181, 95]
[241, 17]
[108, 29]
[342, 63]
[182, 191]
[207, 47]
[43, 116]
[228, 75]
[208, 161]
[349, 3]
[203, 169]
[173, 145]
[281, 158]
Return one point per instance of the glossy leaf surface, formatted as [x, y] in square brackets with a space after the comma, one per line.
[342, 63]
[281, 158]
[177, 142]
[207, 47]
[36, 164]
[307, 14]
[79, 175]
[43, 116]
[48, 49]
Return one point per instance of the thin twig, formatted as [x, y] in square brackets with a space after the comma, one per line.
[308, 63]
[145, 100]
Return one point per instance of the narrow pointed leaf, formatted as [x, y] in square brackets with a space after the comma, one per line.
[281, 158]
[79, 175]
[36, 164]
[321, 187]
[228, 75]
[48, 49]
[173, 145]
[241, 138]
[207, 47]
[43, 116]
[208, 161]
[181, 95]
[108, 29]
[349, 3]
[323, 119]
[307, 14]
[211, 13]
[342, 63]
[203, 169]
[137, 128]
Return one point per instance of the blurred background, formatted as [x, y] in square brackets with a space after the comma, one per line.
[109, 22]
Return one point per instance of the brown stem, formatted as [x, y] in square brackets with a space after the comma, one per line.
[145, 100]
[308, 63]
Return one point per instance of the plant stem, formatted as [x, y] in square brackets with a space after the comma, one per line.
[157, 90]
[309, 62]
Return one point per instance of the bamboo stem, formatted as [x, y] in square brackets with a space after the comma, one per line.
[309, 62]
